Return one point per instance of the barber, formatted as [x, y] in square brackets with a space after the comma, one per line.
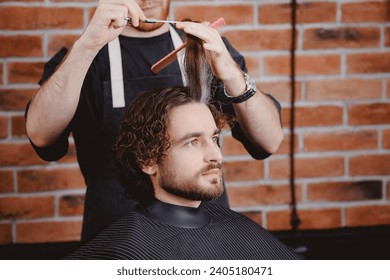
[85, 91]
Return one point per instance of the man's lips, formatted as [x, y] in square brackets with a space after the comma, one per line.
[214, 171]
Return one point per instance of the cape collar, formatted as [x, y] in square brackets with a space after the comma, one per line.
[174, 215]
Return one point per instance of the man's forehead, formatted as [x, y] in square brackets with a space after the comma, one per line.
[190, 118]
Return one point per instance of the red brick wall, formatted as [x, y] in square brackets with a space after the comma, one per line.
[342, 115]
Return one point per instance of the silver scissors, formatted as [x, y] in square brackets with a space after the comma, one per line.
[152, 20]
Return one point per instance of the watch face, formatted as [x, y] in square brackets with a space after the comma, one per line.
[250, 82]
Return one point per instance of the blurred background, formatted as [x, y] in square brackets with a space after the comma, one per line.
[341, 133]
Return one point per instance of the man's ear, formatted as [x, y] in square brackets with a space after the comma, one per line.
[150, 168]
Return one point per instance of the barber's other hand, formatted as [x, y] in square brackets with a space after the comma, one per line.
[222, 64]
[108, 22]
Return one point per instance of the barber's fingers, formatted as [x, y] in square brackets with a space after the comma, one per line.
[217, 55]
[106, 24]
[117, 20]
[210, 36]
[136, 14]
[131, 7]
[110, 15]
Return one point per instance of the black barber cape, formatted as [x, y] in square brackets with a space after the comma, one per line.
[161, 231]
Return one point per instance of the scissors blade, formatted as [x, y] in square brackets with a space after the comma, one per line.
[153, 20]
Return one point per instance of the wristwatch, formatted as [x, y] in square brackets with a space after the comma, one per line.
[250, 90]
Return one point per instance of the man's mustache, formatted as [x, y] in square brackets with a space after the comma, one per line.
[210, 167]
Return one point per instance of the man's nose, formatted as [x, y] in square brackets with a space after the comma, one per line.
[213, 153]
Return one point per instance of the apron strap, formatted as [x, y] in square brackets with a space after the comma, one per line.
[116, 70]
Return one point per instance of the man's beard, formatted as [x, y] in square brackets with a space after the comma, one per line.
[189, 188]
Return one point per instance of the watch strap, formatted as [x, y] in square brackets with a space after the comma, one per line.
[250, 90]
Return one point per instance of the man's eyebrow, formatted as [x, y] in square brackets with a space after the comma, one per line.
[195, 134]
[217, 131]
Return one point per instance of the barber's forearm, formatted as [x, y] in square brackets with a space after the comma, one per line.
[258, 117]
[55, 103]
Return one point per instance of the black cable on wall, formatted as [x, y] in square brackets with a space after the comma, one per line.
[295, 221]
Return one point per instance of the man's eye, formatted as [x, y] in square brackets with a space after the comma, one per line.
[193, 142]
[215, 139]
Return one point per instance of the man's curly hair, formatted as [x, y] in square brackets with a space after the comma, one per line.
[143, 137]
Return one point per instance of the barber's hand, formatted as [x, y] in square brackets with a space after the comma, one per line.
[109, 21]
[222, 64]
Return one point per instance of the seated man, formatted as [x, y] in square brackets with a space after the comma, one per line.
[169, 141]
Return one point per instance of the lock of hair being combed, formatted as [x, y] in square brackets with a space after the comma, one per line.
[198, 73]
